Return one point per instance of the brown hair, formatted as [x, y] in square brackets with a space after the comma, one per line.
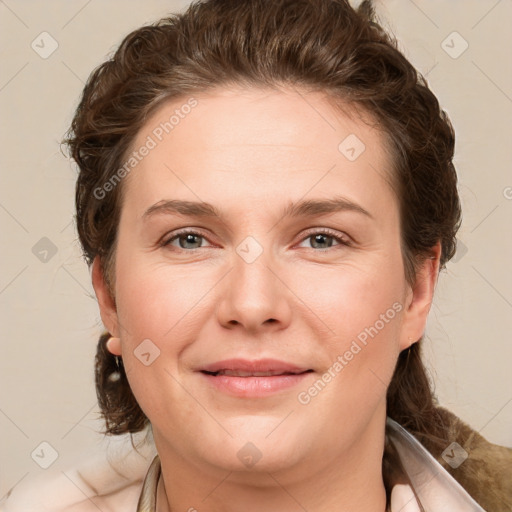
[321, 45]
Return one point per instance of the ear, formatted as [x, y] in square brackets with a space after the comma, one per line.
[419, 299]
[108, 310]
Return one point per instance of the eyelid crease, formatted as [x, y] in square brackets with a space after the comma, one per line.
[340, 237]
[166, 239]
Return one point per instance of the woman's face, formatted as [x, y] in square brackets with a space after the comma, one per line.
[266, 337]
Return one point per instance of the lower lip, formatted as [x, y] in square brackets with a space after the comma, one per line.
[255, 386]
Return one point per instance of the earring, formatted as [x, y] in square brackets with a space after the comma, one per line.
[116, 374]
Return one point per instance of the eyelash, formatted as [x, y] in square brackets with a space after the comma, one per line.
[342, 240]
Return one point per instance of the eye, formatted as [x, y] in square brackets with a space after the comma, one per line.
[323, 239]
[187, 240]
[190, 240]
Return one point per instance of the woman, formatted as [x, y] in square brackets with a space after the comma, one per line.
[275, 358]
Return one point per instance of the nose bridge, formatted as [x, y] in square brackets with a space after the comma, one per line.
[253, 295]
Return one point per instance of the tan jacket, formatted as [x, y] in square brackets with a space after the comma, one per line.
[486, 474]
[434, 482]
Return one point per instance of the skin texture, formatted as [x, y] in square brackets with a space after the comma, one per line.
[303, 300]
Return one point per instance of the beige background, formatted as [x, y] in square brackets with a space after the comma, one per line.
[50, 319]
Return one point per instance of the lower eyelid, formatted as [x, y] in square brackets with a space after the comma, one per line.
[340, 239]
[166, 242]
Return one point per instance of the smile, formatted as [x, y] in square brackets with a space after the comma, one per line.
[241, 373]
[252, 379]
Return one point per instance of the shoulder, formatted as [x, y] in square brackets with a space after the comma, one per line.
[59, 494]
[108, 480]
[485, 468]
[118, 501]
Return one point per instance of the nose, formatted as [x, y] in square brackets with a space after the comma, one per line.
[255, 296]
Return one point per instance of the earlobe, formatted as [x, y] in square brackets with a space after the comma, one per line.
[420, 298]
[114, 346]
[107, 305]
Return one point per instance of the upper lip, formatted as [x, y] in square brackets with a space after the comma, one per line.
[270, 366]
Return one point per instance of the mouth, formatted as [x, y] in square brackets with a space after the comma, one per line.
[257, 378]
[241, 373]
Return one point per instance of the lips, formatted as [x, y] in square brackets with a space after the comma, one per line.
[241, 373]
[255, 368]
[252, 379]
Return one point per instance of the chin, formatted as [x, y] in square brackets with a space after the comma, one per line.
[259, 444]
[254, 460]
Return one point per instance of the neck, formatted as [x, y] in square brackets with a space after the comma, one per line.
[351, 481]
[275, 496]
[288, 500]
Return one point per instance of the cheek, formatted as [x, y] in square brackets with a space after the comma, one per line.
[158, 310]
[153, 299]
[364, 313]
[352, 298]
[363, 307]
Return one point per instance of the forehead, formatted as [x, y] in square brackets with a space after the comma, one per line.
[250, 141]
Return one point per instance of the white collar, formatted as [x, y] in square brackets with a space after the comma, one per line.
[431, 485]
[435, 488]
[403, 499]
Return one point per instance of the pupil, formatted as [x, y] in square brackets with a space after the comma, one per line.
[320, 239]
[189, 238]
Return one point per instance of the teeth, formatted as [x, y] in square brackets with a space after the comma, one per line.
[240, 373]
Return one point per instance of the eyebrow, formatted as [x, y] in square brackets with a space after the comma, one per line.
[306, 208]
